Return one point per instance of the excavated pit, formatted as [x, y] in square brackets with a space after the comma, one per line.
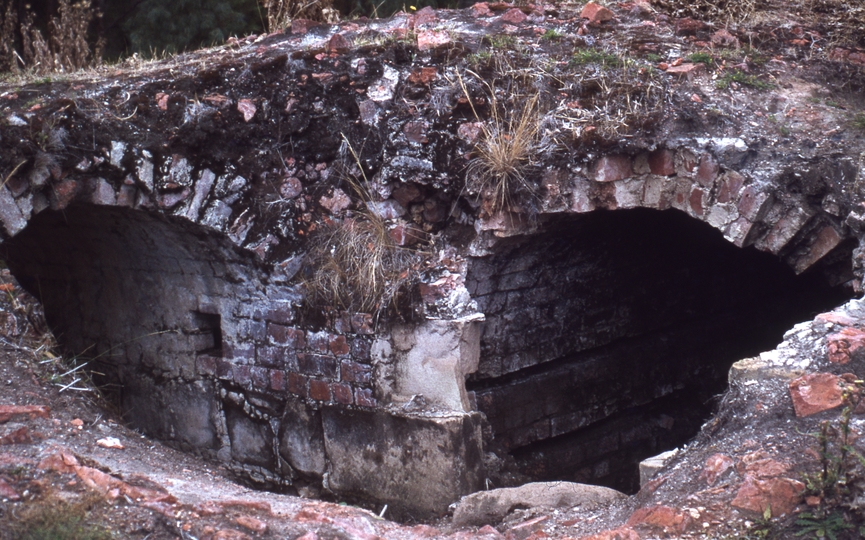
[609, 335]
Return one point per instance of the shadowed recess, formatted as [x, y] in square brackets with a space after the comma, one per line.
[608, 336]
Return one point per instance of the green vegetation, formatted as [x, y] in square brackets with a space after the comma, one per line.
[552, 34]
[702, 58]
[596, 56]
[821, 526]
[746, 79]
[55, 519]
[858, 122]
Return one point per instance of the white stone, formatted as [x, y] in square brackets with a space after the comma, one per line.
[118, 150]
[383, 89]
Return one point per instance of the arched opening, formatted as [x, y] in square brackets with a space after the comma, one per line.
[609, 334]
[143, 298]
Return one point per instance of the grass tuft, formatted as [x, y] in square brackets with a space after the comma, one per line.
[740, 77]
[354, 265]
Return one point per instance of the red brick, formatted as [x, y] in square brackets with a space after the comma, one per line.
[596, 13]
[297, 384]
[696, 201]
[707, 172]
[662, 517]
[661, 163]
[752, 203]
[612, 168]
[64, 193]
[275, 357]
[780, 495]
[286, 335]
[513, 16]
[319, 390]
[843, 343]
[341, 393]
[337, 44]
[317, 364]
[277, 380]
[339, 346]
[363, 398]
[419, 77]
[816, 392]
[355, 373]
[730, 185]
[19, 436]
[622, 533]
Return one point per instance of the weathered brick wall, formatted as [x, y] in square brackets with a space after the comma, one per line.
[205, 351]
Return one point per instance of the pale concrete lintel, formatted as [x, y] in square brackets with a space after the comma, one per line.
[433, 359]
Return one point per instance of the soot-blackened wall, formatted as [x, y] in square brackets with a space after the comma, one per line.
[608, 334]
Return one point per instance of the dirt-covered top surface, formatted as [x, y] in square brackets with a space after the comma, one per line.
[285, 119]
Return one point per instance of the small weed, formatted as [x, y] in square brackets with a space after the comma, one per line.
[702, 58]
[478, 58]
[653, 58]
[552, 34]
[595, 56]
[740, 77]
[501, 41]
[858, 122]
[822, 526]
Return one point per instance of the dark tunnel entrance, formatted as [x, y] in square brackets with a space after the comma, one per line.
[609, 336]
[142, 298]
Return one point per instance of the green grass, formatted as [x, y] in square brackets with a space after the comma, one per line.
[858, 122]
[595, 56]
[740, 77]
[702, 58]
[551, 35]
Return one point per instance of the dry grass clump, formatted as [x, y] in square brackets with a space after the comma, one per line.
[65, 49]
[717, 10]
[617, 96]
[845, 19]
[355, 266]
[280, 13]
[509, 140]
[353, 263]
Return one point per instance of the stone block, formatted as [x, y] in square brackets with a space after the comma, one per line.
[280, 334]
[739, 232]
[251, 440]
[653, 187]
[649, 467]
[754, 204]
[721, 215]
[298, 384]
[10, 214]
[729, 186]
[354, 372]
[697, 201]
[660, 517]
[434, 358]
[490, 507]
[581, 200]
[301, 438]
[629, 193]
[342, 393]
[417, 465]
[778, 495]
[428, 40]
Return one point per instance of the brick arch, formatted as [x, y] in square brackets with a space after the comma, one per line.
[693, 181]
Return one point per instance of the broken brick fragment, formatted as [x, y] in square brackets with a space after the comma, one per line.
[816, 392]
[596, 13]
